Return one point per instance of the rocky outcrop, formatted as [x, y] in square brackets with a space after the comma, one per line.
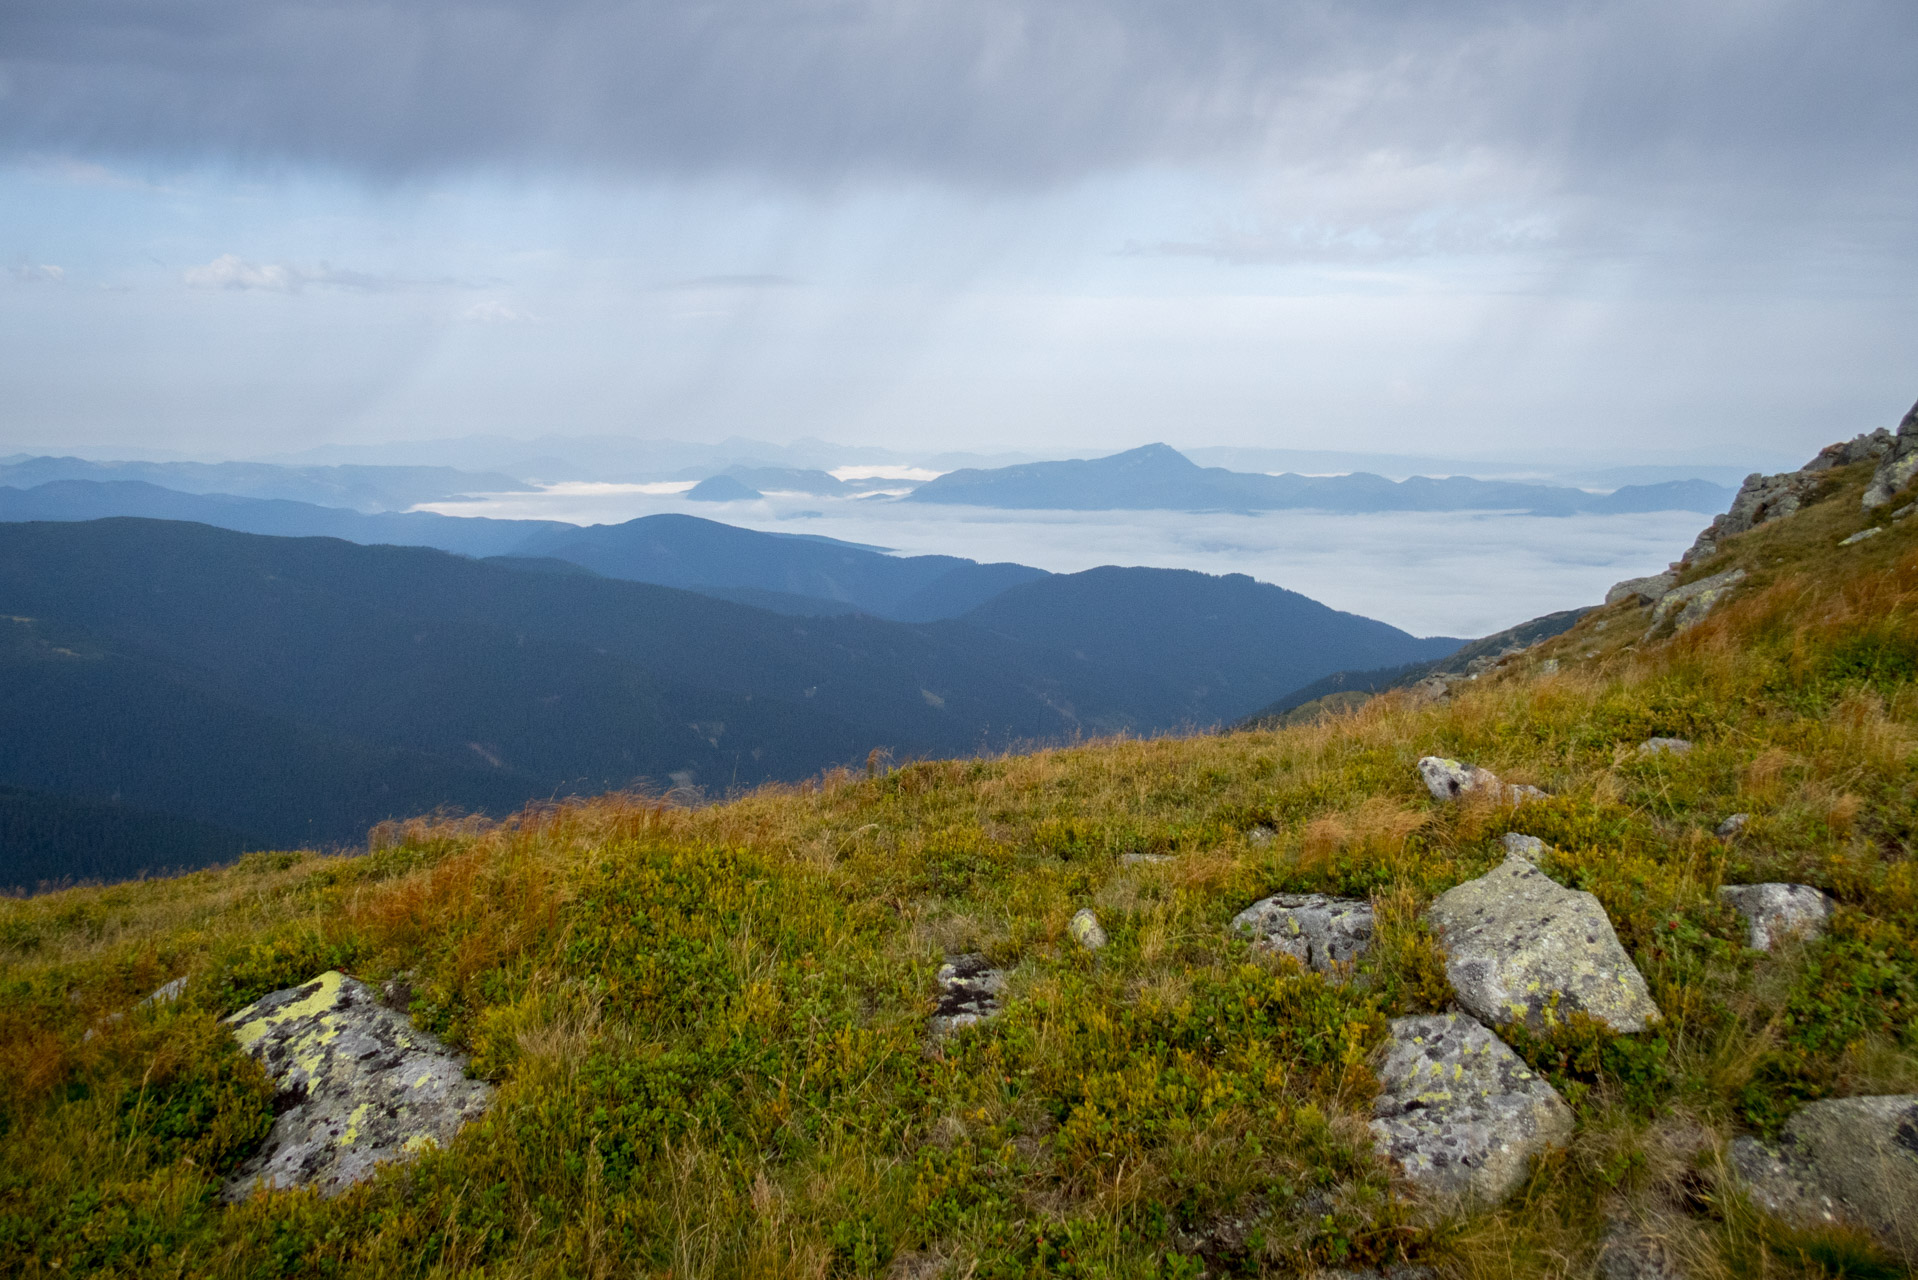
[1645, 590]
[1086, 929]
[1459, 1113]
[1449, 779]
[1521, 947]
[1897, 464]
[1688, 605]
[1775, 912]
[358, 1086]
[1844, 1160]
[1320, 932]
[969, 992]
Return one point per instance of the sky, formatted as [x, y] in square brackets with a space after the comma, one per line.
[1572, 230]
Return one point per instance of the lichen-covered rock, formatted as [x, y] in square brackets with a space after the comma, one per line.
[1844, 1160]
[1629, 1252]
[1449, 779]
[1530, 848]
[1521, 947]
[1665, 747]
[1644, 590]
[1687, 606]
[969, 991]
[1320, 932]
[1086, 929]
[359, 1086]
[1774, 912]
[1459, 1113]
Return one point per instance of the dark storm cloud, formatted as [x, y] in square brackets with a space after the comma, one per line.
[993, 92]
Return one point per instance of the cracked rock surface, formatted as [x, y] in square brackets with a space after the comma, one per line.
[1521, 947]
[1448, 779]
[1319, 931]
[1459, 1112]
[1843, 1160]
[359, 1086]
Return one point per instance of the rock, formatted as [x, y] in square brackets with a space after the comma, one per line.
[1530, 848]
[1644, 590]
[1861, 535]
[1549, 667]
[1904, 511]
[359, 1086]
[1694, 600]
[1086, 929]
[1629, 1252]
[1261, 835]
[1896, 466]
[1449, 779]
[1519, 946]
[1318, 931]
[167, 992]
[1844, 1160]
[1432, 689]
[969, 991]
[1459, 1113]
[1732, 825]
[1665, 746]
[1775, 912]
[1144, 859]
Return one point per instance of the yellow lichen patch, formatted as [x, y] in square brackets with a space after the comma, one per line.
[248, 1028]
[351, 1133]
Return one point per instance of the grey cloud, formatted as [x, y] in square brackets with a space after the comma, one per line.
[993, 91]
[231, 271]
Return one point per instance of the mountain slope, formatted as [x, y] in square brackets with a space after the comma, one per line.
[1231, 643]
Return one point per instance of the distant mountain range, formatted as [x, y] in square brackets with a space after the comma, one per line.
[293, 691]
[356, 488]
[1159, 477]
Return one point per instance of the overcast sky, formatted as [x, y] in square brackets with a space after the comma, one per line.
[1653, 230]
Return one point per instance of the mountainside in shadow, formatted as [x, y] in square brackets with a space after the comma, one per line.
[358, 488]
[1226, 642]
[1156, 476]
[801, 574]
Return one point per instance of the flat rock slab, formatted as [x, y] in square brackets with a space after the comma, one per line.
[1322, 933]
[1521, 947]
[1775, 912]
[1449, 779]
[969, 992]
[1460, 1114]
[359, 1086]
[1844, 1160]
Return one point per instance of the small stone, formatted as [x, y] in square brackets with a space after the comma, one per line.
[168, 992]
[1448, 779]
[1665, 746]
[1086, 929]
[1459, 1113]
[362, 1086]
[1843, 1160]
[1261, 835]
[1861, 535]
[1144, 859]
[969, 991]
[1530, 848]
[1549, 667]
[1733, 825]
[1775, 912]
[1904, 511]
[1521, 947]
[1320, 932]
[1629, 1252]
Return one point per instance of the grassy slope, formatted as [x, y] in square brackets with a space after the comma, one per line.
[708, 1023]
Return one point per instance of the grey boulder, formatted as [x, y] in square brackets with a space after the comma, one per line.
[1643, 590]
[1519, 947]
[1774, 912]
[1896, 466]
[360, 1086]
[1665, 747]
[1844, 1160]
[1530, 848]
[1688, 605]
[1086, 929]
[1459, 1113]
[1448, 779]
[1320, 932]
